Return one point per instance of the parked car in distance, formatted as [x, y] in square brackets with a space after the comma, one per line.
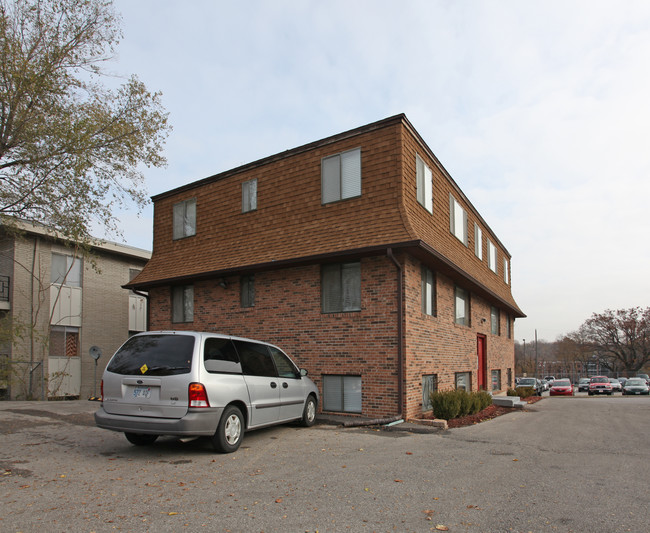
[616, 385]
[622, 381]
[561, 387]
[532, 383]
[644, 376]
[545, 385]
[636, 386]
[187, 384]
[599, 385]
[550, 379]
[583, 384]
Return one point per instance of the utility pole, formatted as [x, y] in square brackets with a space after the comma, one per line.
[536, 353]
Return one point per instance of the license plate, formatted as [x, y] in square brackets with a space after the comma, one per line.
[142, 392]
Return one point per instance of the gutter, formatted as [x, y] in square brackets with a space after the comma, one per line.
[400, 332]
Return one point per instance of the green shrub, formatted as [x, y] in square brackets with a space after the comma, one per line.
[457, 403]
[512, 392]
[446, 405]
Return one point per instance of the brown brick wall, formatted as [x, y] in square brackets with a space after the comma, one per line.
[288, 313]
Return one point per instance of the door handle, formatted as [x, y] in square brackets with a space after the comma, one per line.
[285, 385]
[274, 385]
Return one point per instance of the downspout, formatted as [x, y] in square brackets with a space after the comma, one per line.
[400, 331]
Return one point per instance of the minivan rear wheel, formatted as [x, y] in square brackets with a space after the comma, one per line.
[140, 439]
[230, 431]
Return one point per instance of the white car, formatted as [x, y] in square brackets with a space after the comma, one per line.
[202, 384]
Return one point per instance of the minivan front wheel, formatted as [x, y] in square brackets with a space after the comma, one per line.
[309, 412]
[230, 431]
[140, 439]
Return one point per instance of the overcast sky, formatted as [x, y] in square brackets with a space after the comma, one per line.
[539, 111]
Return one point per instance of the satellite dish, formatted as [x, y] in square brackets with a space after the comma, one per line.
[95, 352]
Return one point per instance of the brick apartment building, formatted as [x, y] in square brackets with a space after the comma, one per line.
[62, 303]
[358, 254]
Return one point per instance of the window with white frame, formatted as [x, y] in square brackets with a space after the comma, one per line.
[429, 385]
[494, 320]
[183, 303]
[249, 196]
[66, 270]
[184, 219]
[505, 270]
[342, 393]
[341, 176]
[247, 287]
[457, 220]
[492, 256]
[64, 341]
[428, 292]
[341, 287]
[461, 307]
[478, 241]
[424, 182]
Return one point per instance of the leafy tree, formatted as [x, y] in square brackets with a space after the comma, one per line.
[71, 148]
[621, 337]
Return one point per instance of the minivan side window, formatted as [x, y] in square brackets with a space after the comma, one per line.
[219, 355]
[255, 359]
[286, 369]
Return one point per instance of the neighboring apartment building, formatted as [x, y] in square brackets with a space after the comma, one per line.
[358, 254]
[59, 305]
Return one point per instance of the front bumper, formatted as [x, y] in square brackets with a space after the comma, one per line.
[194, 423]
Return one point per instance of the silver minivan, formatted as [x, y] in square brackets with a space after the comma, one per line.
[189, 383]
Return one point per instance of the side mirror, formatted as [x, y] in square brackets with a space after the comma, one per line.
[303, 371]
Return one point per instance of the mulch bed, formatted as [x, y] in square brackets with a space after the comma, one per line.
[486, 414]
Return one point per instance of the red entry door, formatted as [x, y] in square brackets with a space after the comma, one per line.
[481, 351]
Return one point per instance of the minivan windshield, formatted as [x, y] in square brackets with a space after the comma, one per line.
[154, 355]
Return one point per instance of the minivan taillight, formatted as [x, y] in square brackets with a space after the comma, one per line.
[101, 390]
[198, 396]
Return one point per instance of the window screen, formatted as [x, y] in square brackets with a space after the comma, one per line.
[342, 393]
[249, 196]
[341, 287]
[424, 181]
[341, 176]
[184, 219]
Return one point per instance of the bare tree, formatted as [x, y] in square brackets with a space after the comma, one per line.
[620, 338]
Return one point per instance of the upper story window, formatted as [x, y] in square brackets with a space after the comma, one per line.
[66, 270]
[505, 271]
[494, 320]
[492, 256]
[341, 176]
[428, 292]
[249, 196]
[185, 219]
[478, 241]
[183, 303]
[461, 307]
[457, 220]
[424, 182]
[341, 287]
[508, 327]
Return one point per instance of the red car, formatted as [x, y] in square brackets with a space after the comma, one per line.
[600, 385]
[561, 387]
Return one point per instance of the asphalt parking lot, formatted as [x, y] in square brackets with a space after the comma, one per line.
[564, 464]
